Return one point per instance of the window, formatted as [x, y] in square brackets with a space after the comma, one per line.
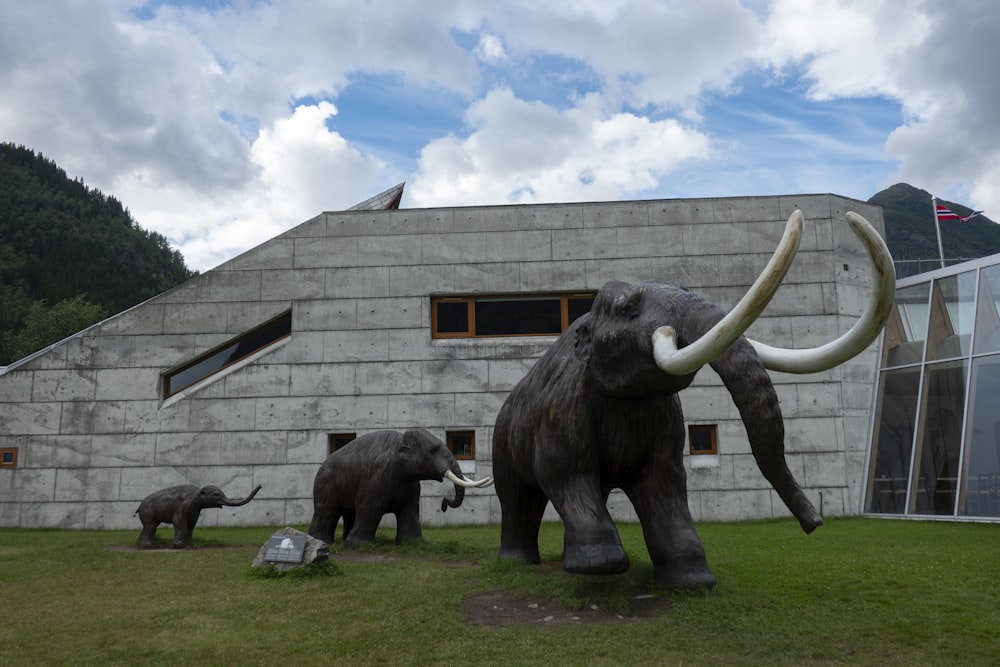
[8, 457]
[507, 315]
[337, 440]
[702, 439]
[227, 354]
[462, 444]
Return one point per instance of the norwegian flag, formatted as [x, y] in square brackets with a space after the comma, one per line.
[945, 213]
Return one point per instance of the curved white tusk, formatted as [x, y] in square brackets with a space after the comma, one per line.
[864, 331]
[715, 341]
[468, 483]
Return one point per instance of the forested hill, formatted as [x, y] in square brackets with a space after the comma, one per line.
[910, 234]
[69, 255]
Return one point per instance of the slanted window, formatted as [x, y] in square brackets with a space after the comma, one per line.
[227, 354]
[8, 457]
[462, 444]
[337, 440]
[702, 439]
[507, 315]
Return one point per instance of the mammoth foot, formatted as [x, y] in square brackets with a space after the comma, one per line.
[686, 577]
[595, 558]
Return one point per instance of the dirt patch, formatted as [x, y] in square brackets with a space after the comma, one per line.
[502, 608]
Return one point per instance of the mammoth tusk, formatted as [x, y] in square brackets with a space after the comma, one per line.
[468, 483]
[864, 331]
[714, 342]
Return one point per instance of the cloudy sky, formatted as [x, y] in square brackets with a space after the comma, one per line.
[221, 124]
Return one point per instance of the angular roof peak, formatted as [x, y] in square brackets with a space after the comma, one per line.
[384, 201]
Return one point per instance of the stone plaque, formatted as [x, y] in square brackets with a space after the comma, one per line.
[285, 548]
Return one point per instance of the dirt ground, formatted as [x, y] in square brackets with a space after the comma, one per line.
[501, 607]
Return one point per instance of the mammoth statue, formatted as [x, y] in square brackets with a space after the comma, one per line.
[600, 410]
[379, 473]
[181, 506]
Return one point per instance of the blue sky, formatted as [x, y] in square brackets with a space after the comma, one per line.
[221, 124]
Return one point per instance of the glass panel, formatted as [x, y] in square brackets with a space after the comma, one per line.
[452, 316]
[501, 317]
[893, 443]
[578, 305]
[951, 316]
[981, 491]
[936, 468]
[906, 328]
[229, 354]
[988, 311]
[462, 444]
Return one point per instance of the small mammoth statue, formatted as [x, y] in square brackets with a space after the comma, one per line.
[181, 506]
[379, 473]
[600, 410]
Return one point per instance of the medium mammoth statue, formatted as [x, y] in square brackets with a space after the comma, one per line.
[379, 473]
[181, 506]
[600, 410]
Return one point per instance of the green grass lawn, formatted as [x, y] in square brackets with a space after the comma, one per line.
[856, 592]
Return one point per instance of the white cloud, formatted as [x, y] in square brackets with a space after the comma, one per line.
[303, 170]
[522, 151]
[210, 123]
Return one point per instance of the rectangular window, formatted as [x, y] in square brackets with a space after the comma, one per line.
[507, 315]
[702, 439]
[462, 444]
[337, 440]
[8, 457]
[227, 354]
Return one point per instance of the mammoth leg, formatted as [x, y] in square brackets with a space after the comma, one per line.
[591, 544]
[324, 523]
[367, 517]
[408, 521]
[348, 514]
[148, 534]
[660, 503]
[183, 528]
[522, 507]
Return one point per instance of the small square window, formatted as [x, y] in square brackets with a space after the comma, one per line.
[702, 439]
[337, 440]
[8, 457]
[462, 444]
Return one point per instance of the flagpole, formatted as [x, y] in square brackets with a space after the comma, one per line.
[937, 228]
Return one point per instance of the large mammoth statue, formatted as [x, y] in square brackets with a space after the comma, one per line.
[181, 506]
[600, 410]
[379, 473]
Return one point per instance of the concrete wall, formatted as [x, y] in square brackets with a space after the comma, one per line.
[94, 436]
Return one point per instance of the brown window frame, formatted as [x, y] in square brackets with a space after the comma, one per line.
[4, 451]
[259, 338]
[713, 433]
[471, 299]
[449, 440]
[335, 441]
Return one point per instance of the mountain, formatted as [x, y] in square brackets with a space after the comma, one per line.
[912, 239]
[69, 255]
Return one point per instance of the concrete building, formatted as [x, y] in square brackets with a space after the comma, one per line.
[366, 319]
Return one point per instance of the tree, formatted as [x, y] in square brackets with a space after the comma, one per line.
[45, 325]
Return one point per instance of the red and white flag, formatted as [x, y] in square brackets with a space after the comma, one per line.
[945, 213]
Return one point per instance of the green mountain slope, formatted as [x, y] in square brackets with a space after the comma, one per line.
[912, 240]
[64, 243]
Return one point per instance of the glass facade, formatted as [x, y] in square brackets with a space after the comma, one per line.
[936, 439]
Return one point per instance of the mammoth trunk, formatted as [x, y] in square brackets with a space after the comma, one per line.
[236, 503]
[754, 396]
[459, 489]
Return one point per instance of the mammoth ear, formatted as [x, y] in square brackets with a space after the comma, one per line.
[407, 445]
